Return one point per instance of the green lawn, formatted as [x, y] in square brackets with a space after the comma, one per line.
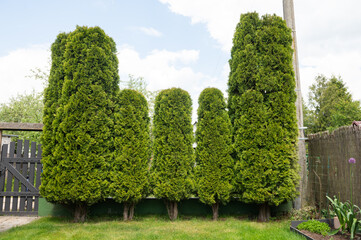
[152, 228]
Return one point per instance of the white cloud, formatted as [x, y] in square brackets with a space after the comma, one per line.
[164, 69]
[14, 68]
[347, 65]
[329, 41]
[327, 32]
[221, 17]
[150, 31]
[161, 69]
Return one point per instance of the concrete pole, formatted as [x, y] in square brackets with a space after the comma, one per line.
[1, 141]
[289, 16]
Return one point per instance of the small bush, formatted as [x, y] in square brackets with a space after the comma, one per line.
[305, 213]
[315, 226]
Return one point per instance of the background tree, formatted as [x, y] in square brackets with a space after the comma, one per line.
[214, 164]
[262, 109]
[330, 105]
[173, 150]
[140, 85]
[24, 108]
[129, 174]
[84, 120]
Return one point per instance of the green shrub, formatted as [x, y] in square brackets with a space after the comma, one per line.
[129, 174]
[173, 150]
[52, 95]
[305, 213]
[315, 226]
[262, 97]
[83, 122]
[214, 169]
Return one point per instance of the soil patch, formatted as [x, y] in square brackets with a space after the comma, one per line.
[316, 236]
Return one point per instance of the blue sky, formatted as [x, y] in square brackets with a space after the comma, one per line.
[175, 43]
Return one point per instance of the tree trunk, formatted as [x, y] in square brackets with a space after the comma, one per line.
[169, 210]
[131, 211]
[215, 208]
[80, 212]
[125, 211]
[172, 209]
[175, 211]
[264, 213]
[128, 211]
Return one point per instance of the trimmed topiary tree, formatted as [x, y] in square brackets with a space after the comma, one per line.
[84, 121]
[173, 150]
[214, 164]
[262, 108]
[129, 173]
[52, 94]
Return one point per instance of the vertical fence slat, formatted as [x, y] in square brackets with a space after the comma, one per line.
[16, 181]
[31, 175]
[24, 172]
[9, 179]
[39, 168]
[4, 154]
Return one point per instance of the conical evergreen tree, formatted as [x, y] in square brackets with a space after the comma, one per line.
[52, 94]
[84, 120]
[262, 107]
[129, 173]
[173, 150]
[214, 164]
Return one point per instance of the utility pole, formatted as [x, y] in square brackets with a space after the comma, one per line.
[289, 16]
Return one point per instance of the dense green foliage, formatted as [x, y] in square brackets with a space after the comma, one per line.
[52, 95]
[330, 105]
[84, 119]
[173, 150]
[214, 164]
[129, 171]
[315, 226]
[262, 110]
[25, 108]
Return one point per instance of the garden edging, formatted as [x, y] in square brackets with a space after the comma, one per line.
[294, 225]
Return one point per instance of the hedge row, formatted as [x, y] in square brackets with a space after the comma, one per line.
[97, 138]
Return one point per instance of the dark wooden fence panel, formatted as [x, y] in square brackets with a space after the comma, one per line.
[329, 172]
[19, 188]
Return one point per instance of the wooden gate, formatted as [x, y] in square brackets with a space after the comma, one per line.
[20, 178]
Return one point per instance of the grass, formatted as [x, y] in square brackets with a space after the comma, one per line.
[152, 228]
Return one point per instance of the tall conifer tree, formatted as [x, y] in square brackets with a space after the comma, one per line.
[52, 94]
[129, 173]
[173, 150]
[214, 164]
[262, 108]
[84, 120]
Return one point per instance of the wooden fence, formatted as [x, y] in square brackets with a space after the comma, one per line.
[20, 170]
[329, 171]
